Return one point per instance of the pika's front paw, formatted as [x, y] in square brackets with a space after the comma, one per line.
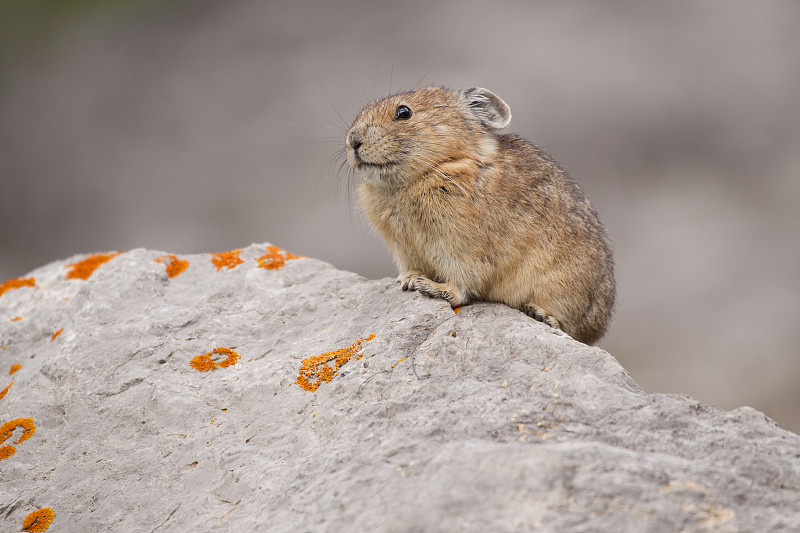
[428, 287]
[431, 289]
[406, 278]
[541, 315]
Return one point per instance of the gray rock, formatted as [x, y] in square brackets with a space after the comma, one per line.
[483, 420]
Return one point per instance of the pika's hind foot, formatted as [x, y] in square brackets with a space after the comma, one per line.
[537, 313]
[415, 281]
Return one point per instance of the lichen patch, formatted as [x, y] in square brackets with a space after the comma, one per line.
[174, 265]
[400, 361]
[5, 391]
[39, 520]
[16, 283]
[86, 267]
[228, 259]
[275, 258]
[206, 362]
[7, 431]
[315, 370]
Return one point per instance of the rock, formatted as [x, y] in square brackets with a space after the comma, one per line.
[481, 420]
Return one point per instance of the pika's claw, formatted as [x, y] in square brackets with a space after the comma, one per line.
[537, 313]
[405, 279]
[431, 289]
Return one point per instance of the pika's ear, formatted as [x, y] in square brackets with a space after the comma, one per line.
[488, 107]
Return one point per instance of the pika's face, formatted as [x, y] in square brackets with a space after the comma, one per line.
[407, 135]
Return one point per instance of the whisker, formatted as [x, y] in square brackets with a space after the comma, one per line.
[329, 162]
[443, 174]
[391, 71]
[430, 66]
[375, 78]
[325, 95]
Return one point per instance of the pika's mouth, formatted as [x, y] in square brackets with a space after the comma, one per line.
[375, 167]
[377, 174]
[370, 171]
[374, 172]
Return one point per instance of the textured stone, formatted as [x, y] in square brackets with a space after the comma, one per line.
[482, 420]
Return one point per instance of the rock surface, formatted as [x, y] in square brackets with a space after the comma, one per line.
[482, 420]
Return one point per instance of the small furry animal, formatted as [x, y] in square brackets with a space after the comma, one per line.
[470, 214]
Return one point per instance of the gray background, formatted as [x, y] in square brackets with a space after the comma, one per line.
[203, 126]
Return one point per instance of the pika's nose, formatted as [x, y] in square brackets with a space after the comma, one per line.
[354, 141]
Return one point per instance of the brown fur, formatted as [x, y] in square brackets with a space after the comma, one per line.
[470, 214]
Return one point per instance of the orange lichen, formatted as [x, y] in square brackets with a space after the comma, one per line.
[83, 269]
[205, 362]
[315, 370]
[16, 367]
[174, 265]
[16, 319]
[400, 361]
[5, 391]
[275, 258]
[16, 283]
[7, 431]
[39, 520]
[56, 334]
[456, 310]
[226, 259]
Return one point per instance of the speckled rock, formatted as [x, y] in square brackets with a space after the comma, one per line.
[482, 420]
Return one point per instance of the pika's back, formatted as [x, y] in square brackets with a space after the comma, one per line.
[470, 214]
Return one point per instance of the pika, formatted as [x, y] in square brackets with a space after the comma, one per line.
[470, 214]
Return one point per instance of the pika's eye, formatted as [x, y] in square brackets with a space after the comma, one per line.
[402, 113]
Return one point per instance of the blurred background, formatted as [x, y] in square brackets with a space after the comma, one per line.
[202, 126]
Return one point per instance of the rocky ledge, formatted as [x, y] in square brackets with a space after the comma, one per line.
[255, 390]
